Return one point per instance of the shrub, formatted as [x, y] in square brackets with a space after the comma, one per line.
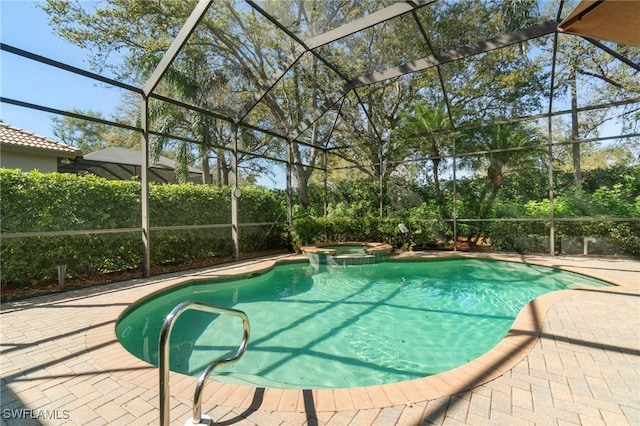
[310, 230]
[38, 202]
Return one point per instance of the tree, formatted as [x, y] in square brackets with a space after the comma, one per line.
[367, 144]
[503, 148]
[593, 76]
[230, 40]
[140, 32]
[506, 82]
[425, 119]
[92, 136]
[89, 136]
[190, 80]
[243, 51]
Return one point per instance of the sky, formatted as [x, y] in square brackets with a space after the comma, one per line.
[25, 26]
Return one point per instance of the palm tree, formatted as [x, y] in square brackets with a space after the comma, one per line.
[187, 80]
[502, 148]
[425, 119]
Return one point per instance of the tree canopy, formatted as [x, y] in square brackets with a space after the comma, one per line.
[308, 76]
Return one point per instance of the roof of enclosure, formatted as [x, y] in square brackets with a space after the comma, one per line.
[351, 57]
[125, 164]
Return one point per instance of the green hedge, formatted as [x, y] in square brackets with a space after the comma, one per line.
[37, 202]
[312, 230]
[613, 238]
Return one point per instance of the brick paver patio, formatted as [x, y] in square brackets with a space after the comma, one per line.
[60, 365]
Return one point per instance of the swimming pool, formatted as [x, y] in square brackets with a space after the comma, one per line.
[346, 326]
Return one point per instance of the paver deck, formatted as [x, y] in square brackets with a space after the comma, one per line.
[571, 357]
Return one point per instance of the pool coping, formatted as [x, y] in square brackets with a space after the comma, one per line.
[103, 345]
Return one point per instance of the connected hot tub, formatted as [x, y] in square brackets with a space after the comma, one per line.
[349, 253]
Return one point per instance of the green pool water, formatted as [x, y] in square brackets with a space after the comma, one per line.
[345, 326]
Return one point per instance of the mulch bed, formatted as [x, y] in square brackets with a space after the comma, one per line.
[12, 293]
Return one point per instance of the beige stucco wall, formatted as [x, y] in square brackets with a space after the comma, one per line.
[28, 161]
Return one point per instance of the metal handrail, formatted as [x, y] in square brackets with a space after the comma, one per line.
[163, 355]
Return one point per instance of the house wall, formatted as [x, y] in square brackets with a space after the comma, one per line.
[28, 161]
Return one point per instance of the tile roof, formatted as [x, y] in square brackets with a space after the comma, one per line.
[18, 138]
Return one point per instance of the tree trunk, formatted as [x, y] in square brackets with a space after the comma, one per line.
[218, 175]
[302, 177]
[435, 160]
[303, 174]
[206, 169]
[225, 173]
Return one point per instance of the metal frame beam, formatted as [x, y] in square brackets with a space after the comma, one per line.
[330, 36]
[68, 114]
[431, 61]
[144, 185]
[66, 67]
[235, 193]
[453, 55]
[176, 45]
[170, 55]
[613, 53]
[524, 118]
[552, 226]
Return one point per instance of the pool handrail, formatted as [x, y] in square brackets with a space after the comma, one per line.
[163, 355]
